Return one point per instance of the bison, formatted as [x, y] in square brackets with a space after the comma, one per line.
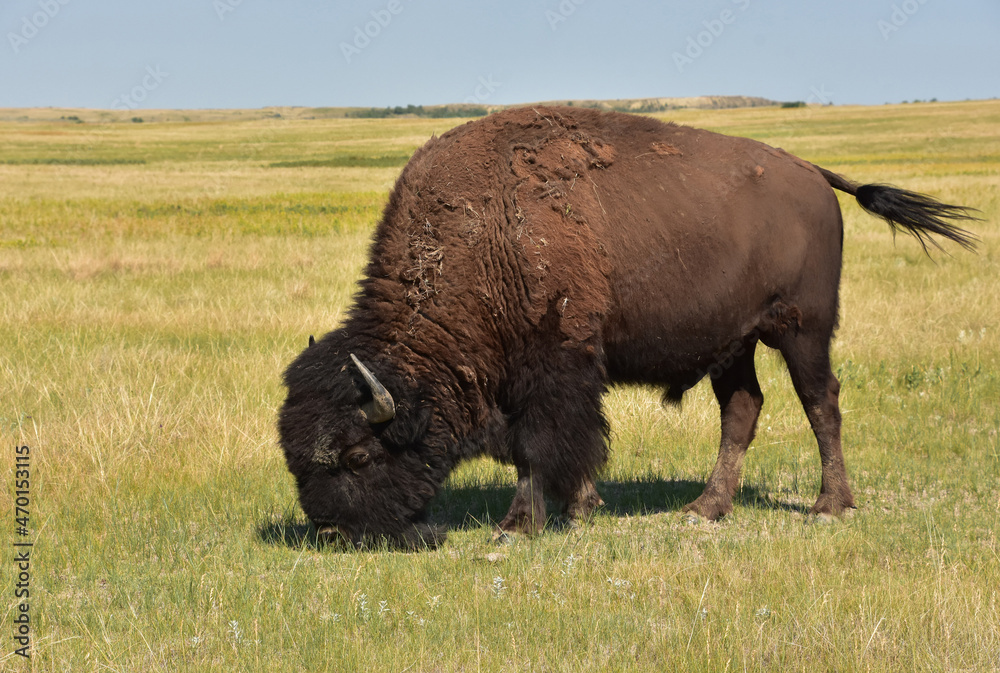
[526, 261]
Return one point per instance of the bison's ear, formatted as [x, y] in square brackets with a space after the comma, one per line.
[409, 426]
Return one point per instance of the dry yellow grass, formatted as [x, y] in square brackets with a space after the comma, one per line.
[147, 311]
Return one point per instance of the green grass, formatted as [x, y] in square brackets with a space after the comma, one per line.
[72, 161]
[351, 161]
[157, 278]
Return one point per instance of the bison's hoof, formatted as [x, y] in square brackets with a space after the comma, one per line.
[693, 519]
[822, 519]
[834, 505]
[708, 508]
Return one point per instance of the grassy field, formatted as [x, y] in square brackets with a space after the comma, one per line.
[156, 278]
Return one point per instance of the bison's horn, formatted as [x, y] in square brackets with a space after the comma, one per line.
[312, 342]
[381, 408]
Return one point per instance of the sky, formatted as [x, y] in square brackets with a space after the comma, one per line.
[189, 54]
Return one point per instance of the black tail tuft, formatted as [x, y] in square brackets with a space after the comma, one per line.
[917, 214]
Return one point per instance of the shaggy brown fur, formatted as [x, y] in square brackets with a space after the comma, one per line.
[527, 260]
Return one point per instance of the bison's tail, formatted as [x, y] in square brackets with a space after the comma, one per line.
[916, 214]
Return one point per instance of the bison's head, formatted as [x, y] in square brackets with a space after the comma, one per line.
[360, 458]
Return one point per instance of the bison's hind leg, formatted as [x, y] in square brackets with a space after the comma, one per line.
[807, 355]
[740, 401]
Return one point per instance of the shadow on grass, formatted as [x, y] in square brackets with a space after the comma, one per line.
[289, 533]
[472, 507]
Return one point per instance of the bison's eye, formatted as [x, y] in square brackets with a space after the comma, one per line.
[355, 459]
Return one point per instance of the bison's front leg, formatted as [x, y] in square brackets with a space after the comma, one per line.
[557, 436]
[527, 511]
[740, 401]
[584, 501]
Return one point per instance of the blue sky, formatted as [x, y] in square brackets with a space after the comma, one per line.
[255, 53]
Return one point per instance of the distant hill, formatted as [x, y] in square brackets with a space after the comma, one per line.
[86, 115]
[621, 105]
[664, 104]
